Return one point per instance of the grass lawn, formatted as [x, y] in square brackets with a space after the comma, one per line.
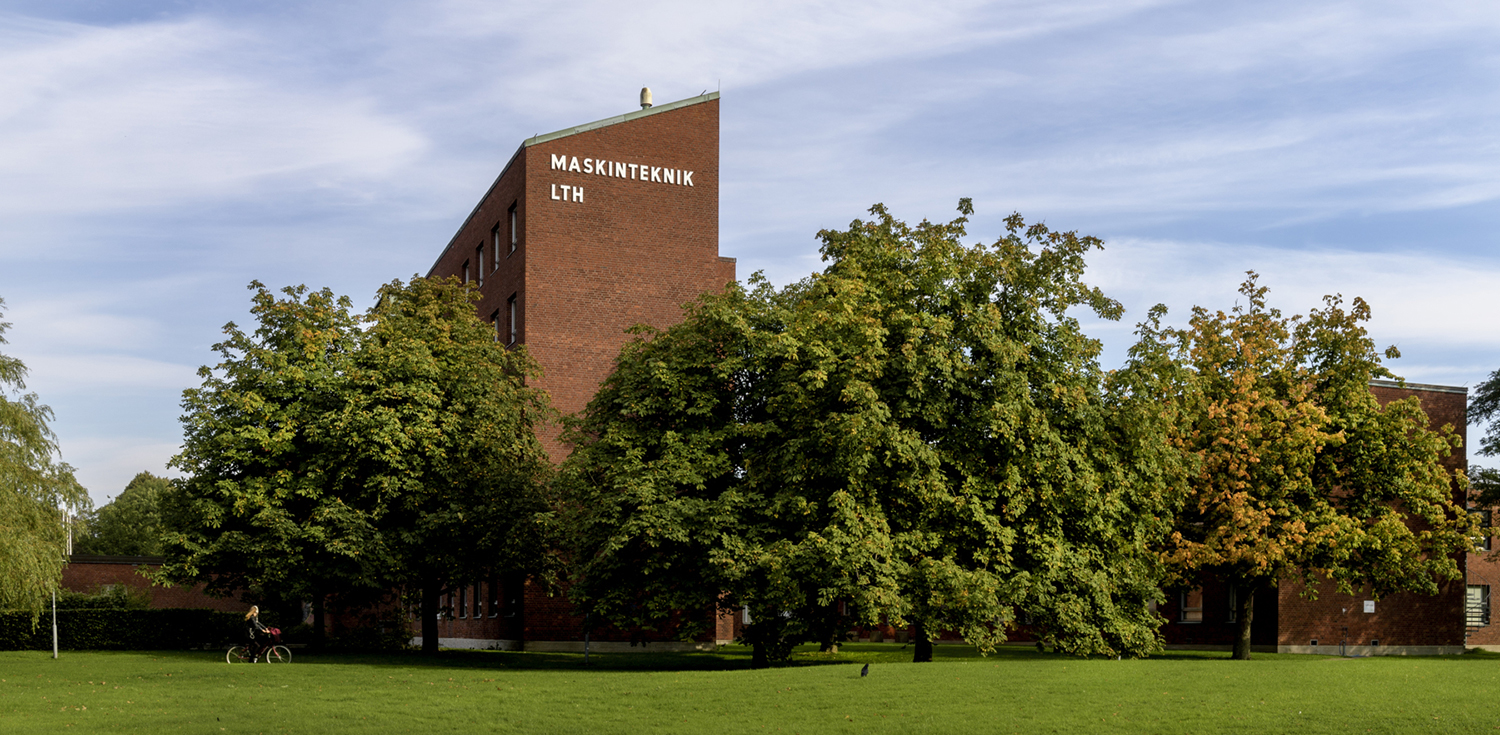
[1017, 690]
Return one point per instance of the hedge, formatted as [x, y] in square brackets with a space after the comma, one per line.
[120, 629]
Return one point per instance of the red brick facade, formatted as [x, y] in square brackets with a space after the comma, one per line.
[587, 232]
[616, 224]
[88, 573]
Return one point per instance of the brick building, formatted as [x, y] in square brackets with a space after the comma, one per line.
[585, 233]
[88, 573]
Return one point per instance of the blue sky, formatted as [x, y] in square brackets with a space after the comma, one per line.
[157, 156]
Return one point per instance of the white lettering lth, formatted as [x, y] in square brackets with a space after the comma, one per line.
[569, 193]
[619, 170]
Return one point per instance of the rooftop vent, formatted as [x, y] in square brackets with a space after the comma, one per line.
[645, 97]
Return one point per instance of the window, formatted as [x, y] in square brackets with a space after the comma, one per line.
[1484, 519]
[494, 600]
[510, 307]
[462, 598]
[478, 608]
[495, 248]
[512, 589]
[1477, 606]
[466, 271]
[495, 323]
[1234, 604]
[479, 261]
[515, 232]
[1192, 606]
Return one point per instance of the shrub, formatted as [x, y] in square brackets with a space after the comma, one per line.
[121, 629]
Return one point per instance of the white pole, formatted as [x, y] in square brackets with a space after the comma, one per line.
[54, 623]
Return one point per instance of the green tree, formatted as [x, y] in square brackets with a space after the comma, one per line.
[1484, 482]
[323, 459]
[129, 525]
[36, 493]
[438, 438]
[1302, 474]
[257, 509]
[920, 431]
[1484, 408]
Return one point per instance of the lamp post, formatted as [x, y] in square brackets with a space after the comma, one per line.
[68, 526]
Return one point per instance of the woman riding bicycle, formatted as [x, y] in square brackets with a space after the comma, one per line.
[255, 632]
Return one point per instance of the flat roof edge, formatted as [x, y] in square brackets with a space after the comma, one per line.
[617, 119]
[1420, 386]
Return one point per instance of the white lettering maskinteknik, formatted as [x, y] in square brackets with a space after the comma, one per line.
[620, 170]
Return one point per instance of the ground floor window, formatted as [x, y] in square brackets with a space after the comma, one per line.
[1477, 606]
[1191, 610]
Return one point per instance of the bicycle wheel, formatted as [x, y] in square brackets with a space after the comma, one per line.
[278, 655]
[236, 655]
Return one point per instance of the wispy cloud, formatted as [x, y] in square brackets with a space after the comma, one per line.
[154, 115]
[1437, 309]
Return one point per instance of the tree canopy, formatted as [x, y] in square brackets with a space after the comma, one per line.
[323, 458]
[438, 438]
[36, 493]
[129, 525]
[918, 434]
[1484, 407]
[256, 509]
[1302, 474]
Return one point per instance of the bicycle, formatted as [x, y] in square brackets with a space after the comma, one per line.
[272, 654]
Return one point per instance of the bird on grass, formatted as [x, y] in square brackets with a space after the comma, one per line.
[865, 671]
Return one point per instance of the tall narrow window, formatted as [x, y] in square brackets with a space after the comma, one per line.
[494, 589]
[479, 260]
[515, 233]
[466, 271]
[463, 609]
[495, 324]
[1192, 606]
[510, 307]
[1484, 519]
[1477, 606]
[513, 587]
[495, 248]
[478, 601]
[1234, 603]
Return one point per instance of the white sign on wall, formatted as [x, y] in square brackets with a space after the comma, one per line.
[622, 170]
[1369, 606]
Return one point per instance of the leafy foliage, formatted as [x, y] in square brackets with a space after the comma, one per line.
[920, 433]
[36, 491]
[256, 508]
[324, 459]
[129, 525]
[105, 596]
[437, 438]
[121, 629]
[1484, 407]
[1303, 474]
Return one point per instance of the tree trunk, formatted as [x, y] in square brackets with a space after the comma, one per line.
[758, 658]
[431, 593]
[1244, 616]
[319, 619]
[923, 648]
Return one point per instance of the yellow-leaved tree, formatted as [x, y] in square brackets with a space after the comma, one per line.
[1302, 474]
